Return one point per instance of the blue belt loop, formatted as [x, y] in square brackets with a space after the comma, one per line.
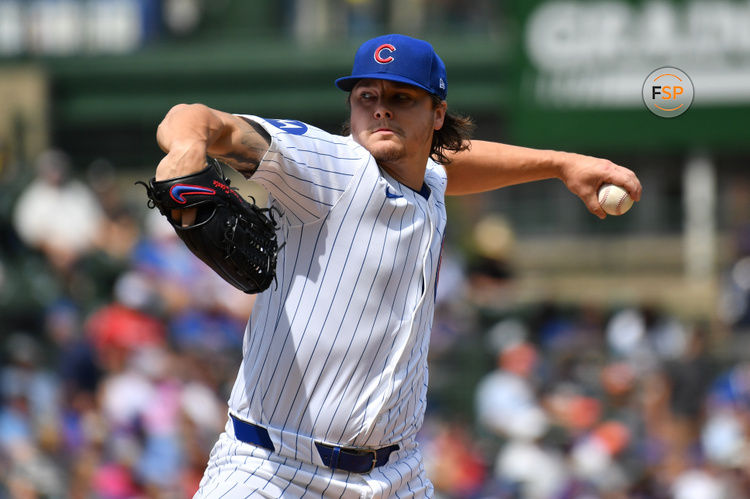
[252, 433]
[335, 457]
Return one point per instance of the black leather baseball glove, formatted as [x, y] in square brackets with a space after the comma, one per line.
[234, 237]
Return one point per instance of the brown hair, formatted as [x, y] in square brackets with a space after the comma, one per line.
[453, 136]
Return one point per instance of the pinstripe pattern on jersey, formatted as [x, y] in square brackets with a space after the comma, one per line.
[338, 351]
[307, 176]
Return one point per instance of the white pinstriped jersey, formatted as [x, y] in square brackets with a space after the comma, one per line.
[338, 350]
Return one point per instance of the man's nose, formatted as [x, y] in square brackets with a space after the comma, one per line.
[381, 111]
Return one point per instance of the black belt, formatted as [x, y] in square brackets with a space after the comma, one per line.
[338, 458]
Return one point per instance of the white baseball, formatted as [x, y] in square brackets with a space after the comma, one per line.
[614, 199]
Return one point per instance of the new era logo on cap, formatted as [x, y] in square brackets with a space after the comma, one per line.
[398, 58]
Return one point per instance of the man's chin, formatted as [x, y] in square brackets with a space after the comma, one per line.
[385, 153]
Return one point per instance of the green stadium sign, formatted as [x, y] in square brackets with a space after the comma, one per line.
[581, 68]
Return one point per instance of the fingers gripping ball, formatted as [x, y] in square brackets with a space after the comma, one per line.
[614, 200]
[234, 237]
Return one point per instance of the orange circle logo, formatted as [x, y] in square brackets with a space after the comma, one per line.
[668, 92]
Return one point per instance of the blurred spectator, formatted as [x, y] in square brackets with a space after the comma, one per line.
[571, 408]
[74, 355]
[724, 439]
[29, 422]
[124, 326]
[594, 458]
[56, 214]
[531, 470]
[119, 230]
[454, 465]
[699, 484]
[734, 297]
[490, 268]
[690, 377]
[160, 462]
[731, 389]
[626, 337]
[24, 378]
[506, 399]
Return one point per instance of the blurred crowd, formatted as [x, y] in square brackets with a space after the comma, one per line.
[583, 403]
[118, 349]
[118, 346]
[571, 401]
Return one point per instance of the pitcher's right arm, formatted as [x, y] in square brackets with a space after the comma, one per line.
[189, 132]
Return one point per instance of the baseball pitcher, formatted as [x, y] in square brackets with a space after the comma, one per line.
[332, 387]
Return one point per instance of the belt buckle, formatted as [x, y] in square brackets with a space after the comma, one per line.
[374, 461]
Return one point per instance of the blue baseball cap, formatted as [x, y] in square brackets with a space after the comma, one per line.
[398, 58]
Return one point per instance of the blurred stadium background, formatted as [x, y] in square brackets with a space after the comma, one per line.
[571, 357]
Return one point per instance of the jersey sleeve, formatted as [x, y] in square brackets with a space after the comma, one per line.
[306, 170]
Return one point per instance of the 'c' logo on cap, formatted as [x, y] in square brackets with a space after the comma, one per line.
[384, 60]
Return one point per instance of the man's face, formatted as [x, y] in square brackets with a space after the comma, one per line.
[394, 121]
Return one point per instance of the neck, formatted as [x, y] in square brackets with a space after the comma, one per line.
[408, 169]
[411, 176]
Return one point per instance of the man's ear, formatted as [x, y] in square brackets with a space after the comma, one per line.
[440, 112]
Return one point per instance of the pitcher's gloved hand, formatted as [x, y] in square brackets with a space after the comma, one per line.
[234, 237]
